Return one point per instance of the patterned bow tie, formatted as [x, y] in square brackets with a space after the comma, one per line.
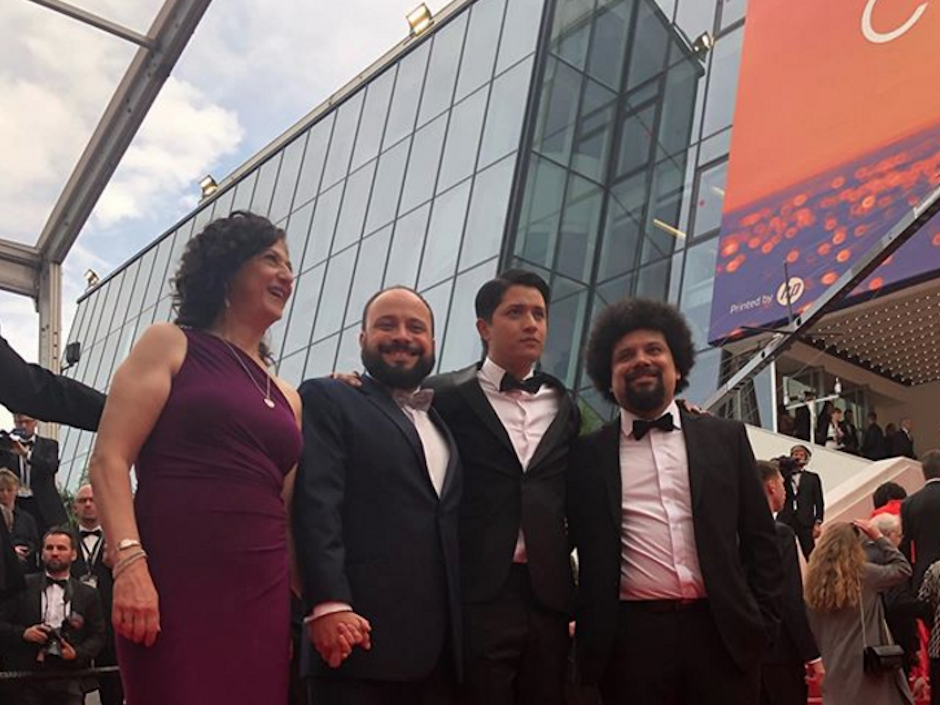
[63, 583]
[531, 385]
[420, 400]
[641, 426]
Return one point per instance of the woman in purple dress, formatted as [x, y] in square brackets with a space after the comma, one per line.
[201, 591]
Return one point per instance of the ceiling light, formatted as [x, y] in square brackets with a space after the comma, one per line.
[419, 19]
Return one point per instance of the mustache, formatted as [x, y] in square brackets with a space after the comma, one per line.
[642, 371]
[401, 347]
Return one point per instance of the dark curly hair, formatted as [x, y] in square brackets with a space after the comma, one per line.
[629, 315]
[210, 261]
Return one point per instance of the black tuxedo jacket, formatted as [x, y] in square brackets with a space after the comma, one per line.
[102, 574]
[34, 390]
[500, 497]
[85, 631]
[873, 445]
[903, 445]
[808, 506]
[920, 517]
[371, 531]
[44, 464]
[795, 642]
[734, 534]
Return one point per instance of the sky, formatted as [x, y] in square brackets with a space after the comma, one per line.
[250, 71]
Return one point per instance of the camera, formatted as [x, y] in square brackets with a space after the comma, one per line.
[7, 438]
[53, 646]
[786, 464]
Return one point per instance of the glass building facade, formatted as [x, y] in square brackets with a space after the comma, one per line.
[585, 139]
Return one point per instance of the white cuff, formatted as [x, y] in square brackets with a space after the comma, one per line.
[325, 608]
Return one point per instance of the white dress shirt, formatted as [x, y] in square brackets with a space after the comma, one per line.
[526, 417]
[54, 607]
[659, 556]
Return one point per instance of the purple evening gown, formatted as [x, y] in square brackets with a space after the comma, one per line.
[212, 520]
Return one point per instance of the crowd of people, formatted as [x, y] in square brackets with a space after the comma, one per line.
[416, 531]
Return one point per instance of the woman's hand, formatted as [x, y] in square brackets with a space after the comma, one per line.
[136, 611]
[868, 528]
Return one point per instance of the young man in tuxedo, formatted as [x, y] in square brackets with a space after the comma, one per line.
[805, 507]
[784, 668]
[920, 520]
[679, 568]
[35, 461]
[90, 569]
[55, 623]
[375, 514]
[514, 426]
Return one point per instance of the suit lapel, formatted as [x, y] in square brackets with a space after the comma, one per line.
[376, 394]
[453, 455]
[557, 430]
[608, 447]
[696, 440]
[476, 399]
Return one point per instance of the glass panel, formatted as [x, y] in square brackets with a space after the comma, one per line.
[324, 223]
[442, 70]
[652, 280]
[304, 307]
[80, 310]
[558, 112]
[107, 360]
[595, 133]
[143, 281]
[291, 369]
[675, 122]
[704, 378]
[275, 334]
[401, 116]
[297, 228]
[723, 82]
[505, 114]
[650, 46]
[223, 204]
[84, 315]
[486, 220]
[163, 311]
[479, 54]
[94, 360]
[373, 118]
[541, 209]
[608, 45]
[130, 285]
[243, 192]
[442, 246]
[732, 11]
[578, 232]
[571, 31]
[568, 316]
[287, 180]
[352, 215]
[125, 341]
[104, 320]
[423, 164]
[438, 299]
[344, 134]
[386, 190]
[267, 177]
[349, 357]
[636, 140]
[369, 270]
[320, 358]
[309, 182]
[179, 246]
[662, 236]
[697, 287]
[696, 17]
[711, 199]
[520, 32]
[202, 218]
[335, 294]
[622, 232]
[463, 140]
[715, 147]
[405, 254]
[461, 346]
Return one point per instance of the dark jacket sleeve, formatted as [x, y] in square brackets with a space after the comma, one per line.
[44, 460]
[89, 647]
[11, 628]
[758, 539]
[820, 503]
[318, 500]
[793, 608]
[34, 390]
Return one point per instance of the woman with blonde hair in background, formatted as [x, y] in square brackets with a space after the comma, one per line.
[846, 614]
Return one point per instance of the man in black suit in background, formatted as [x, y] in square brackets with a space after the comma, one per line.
[375, 514]
[55, 623]
[902, 443]
[783, 672]
[679, 567]
[39, 393]
[805, 507]
[35, 461]
[90, 569]
[873, 444]
[920, 521]
[514, 426]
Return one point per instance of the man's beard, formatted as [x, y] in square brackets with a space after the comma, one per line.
[393, 376]
[646, 399]
[56, 565]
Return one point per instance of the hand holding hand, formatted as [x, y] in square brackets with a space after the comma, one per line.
[18, 448]
[868, 528]
[136, 611]
[816, 672]
[37, 634]
[817, 531]
[334, 636]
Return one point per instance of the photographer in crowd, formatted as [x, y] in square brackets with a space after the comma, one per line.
[23, 534]
[55, 624]
[804, 508]
[35, 462]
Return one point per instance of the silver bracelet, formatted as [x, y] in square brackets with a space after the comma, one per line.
[124, 562]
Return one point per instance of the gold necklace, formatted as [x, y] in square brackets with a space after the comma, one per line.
[268, 401]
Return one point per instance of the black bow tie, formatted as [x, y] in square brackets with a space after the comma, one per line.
[93, 532]
[63, 583]
[531, 385]
[641, 426]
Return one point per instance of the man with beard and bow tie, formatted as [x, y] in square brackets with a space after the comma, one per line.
[375, 512]
[805, 507]
[54, 624]
[679, 568]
